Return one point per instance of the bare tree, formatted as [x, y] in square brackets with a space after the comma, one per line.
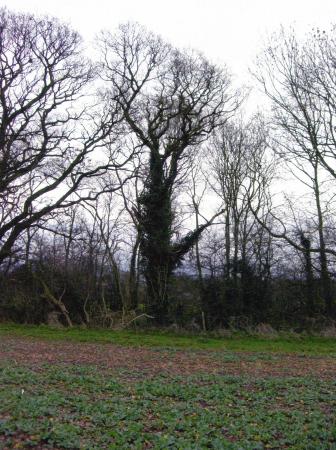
[171, 102]
[197, 190]
[237, 153]
[294, 76]
[48, 131]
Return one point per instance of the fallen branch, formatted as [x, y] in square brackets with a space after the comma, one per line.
[138, 317]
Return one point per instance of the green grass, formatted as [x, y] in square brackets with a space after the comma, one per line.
[285, 344]
[81, 408]
[88, 407]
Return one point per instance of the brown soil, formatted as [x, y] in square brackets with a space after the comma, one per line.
[142, 360]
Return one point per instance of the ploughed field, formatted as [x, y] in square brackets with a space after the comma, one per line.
[136, 391]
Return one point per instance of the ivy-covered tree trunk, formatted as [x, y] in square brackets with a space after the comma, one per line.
[156, 218]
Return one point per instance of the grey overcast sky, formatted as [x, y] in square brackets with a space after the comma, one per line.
[229, 31]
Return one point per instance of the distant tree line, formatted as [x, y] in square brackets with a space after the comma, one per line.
[135, 189]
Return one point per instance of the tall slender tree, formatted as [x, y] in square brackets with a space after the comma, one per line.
[295, 76]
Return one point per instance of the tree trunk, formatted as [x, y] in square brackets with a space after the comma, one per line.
[309, 276]
[132, 280]
[325, 277]
[48, 295]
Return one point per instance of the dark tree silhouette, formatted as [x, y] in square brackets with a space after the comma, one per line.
[171, 102]
[47, 136]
